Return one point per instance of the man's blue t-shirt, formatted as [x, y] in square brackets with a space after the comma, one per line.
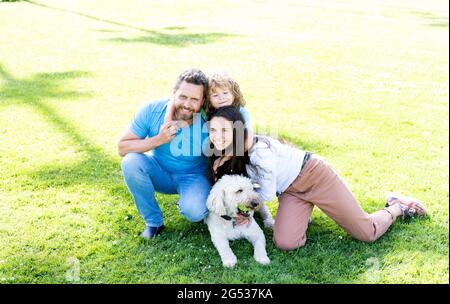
[183, 154]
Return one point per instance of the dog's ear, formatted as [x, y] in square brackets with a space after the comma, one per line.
[216, 201]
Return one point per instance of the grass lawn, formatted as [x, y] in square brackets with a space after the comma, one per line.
[365, 85]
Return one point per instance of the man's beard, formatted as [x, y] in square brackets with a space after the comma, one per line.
[179, 115]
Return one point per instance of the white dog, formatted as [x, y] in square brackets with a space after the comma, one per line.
[228, 196]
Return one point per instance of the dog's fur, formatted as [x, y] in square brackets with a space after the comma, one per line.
[225, 197]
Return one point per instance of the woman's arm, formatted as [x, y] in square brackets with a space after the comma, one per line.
[268, 186]
[263, 162]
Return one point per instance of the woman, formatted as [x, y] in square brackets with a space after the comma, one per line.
[300, 180]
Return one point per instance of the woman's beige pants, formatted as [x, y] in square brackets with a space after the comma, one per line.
[318, 184]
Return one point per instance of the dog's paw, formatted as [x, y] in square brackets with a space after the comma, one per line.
[230, 262]
[264, 260]
[268, 223]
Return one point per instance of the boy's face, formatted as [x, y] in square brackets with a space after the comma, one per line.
[188, 99]
[221, 97]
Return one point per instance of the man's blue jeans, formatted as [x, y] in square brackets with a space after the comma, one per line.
[144, 176]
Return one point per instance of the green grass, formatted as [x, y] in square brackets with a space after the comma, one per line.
[364, 86]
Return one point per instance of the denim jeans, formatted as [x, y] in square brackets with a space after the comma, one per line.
[144, 176]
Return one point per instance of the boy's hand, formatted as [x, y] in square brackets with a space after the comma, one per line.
[167, 132]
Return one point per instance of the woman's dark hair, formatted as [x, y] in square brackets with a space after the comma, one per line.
[235, 165]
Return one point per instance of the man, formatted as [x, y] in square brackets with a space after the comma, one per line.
[176, 164]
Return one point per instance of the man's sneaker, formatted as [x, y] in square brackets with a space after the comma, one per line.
[151, 232]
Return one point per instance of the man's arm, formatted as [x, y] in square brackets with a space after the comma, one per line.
[130, 142]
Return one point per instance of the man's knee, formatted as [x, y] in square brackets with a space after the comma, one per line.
[194, 214]
[130, 162]
[192, 203]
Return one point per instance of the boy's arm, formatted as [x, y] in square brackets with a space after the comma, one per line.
[170, 112]
[248, 125]
[249, 141]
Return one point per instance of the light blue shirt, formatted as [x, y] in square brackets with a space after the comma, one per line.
[183, 154]
[247, 120]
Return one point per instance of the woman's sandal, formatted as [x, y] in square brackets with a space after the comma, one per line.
[410, 207]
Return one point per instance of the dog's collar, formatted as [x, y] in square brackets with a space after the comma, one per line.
[226, 217]
[240, 212]
[233, 219]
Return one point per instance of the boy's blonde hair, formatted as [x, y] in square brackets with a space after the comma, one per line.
[222, 80]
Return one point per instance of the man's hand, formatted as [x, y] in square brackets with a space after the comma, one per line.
[167, 132]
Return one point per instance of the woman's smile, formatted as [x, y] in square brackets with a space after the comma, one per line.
[221, 133]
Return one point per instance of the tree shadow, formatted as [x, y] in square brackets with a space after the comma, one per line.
[151, 36]
[105, 31]
[33, 91]
[41, 85]
[433, 19]
[174, 28]
[174, 40]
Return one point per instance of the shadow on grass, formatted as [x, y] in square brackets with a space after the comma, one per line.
[174, 28]
[174, 40]
[433, 19]
[98, 167]
[39, 86]
[151, 36]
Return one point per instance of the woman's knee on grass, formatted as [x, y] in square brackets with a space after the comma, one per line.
[364, 236]
[288, 243]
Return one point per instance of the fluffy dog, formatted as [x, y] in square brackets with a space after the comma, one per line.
[228, 197]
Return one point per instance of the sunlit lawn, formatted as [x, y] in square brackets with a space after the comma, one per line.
[364, 85]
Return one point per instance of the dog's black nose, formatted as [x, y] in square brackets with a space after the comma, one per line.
[254, 203]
